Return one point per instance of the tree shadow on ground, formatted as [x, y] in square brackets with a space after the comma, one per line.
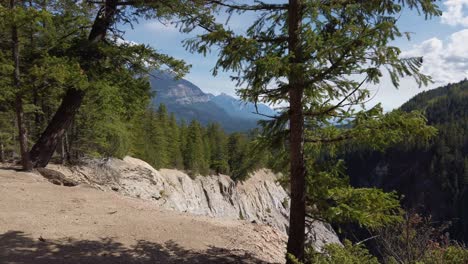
[19, 248]
[9, 167]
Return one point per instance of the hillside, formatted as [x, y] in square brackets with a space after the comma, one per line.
[42, 223]
[126, 211]
[432, 176]
[187, 101]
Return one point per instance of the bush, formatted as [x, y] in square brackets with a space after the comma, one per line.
[334, 253]
[454, 254]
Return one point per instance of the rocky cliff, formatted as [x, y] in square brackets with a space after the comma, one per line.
[259, 199]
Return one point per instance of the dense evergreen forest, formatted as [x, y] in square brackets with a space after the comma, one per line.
[153, 135]
[433, 175]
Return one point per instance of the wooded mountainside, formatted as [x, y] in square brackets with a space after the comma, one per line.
[188, 102]
[153, 135]
[433, 175]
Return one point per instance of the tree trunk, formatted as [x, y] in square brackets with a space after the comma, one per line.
[62, 150]
[2, 152]
[42, 151]
[67, 149]
[296, 239]
[22, 132]
[44, 148]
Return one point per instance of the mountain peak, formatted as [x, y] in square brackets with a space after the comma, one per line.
[187, 101]
[181, 91]
[225, 95]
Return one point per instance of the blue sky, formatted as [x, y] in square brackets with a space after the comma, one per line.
[442, 41]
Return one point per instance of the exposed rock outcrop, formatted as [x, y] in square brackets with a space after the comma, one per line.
[260, 199]
[56, 177]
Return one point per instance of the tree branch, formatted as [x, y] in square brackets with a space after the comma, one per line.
[257, 7]
[329, 140]
[313, 114]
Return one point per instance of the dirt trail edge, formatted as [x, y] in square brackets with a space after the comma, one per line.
[45, 223]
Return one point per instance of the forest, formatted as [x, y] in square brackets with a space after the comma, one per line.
[430, 175]
[73, 88]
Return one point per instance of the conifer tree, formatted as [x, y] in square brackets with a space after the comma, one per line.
[195, 151]
[161, 138]
[309, 55]
[236, 146]
[174, 139]
[183, 141]
[218, 145]
[92, 51]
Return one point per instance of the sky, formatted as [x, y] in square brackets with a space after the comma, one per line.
[442, 41]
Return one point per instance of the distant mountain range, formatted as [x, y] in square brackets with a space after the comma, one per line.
[187, 101]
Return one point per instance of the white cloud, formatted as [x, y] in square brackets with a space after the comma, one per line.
[121, 41]
[157, 26]
[456, 13]
[446, 61]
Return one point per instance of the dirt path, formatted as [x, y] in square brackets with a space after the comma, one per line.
[44, 223]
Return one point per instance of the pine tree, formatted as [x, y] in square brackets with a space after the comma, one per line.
[237, 144]
[161, 139]
[174, 150]
[183, 141]
[303, 53]
[218, 145]
[96, 52]
[195, 157]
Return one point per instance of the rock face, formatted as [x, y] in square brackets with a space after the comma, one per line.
[259, 199]
[180, 91]
[56, 177]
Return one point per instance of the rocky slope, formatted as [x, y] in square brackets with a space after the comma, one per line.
[259, 199]
[42, 223]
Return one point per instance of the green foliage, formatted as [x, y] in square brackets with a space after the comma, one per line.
[317, 57]
[335, 201]
[217, 141]
[55, 56]
[452, 254]
[101, 126]
[246, 154]
[7, 134]
[416, 166]
[149, 139]
[418, 240]
[160, 140]
[368, 207]
[195, 160]
[174, 149]
[334, 253]
[237, 144]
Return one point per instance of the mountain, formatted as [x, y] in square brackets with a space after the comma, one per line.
[240, 109]
[432, 176]
[187, 101]
[178, 91]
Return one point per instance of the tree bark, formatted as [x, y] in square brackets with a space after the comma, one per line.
[22, 132]
[42, 151]
[62, 149]
[67, 149]
[2, 152]
[296, 239]
[44, 148]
